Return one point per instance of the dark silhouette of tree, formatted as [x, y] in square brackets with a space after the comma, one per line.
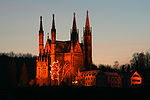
[134, 61]
[116, 64]
[147, 59]
[12, 74]
[125, 68]
[94, 67]
[4, 61]
[128, 68]
[11, 68]
[107, 68]
[122, 68]
[24, 76]
[140, 62]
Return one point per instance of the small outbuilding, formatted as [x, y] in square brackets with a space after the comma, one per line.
[136, 79]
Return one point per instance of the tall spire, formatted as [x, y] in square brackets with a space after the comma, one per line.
[53, 31]
[87, 21]
[53, 25]
[74, 27]
[74, 33]
[41, 26]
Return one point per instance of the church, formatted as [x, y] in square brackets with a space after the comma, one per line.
[67, 57]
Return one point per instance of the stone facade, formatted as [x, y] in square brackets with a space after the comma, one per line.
[71, 53]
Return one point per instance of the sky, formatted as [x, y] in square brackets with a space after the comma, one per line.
[119, 27]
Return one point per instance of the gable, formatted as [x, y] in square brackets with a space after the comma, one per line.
[63, 46]
[77, 47]
[48, 46]
[136, 75]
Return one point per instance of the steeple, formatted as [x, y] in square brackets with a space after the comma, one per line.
[53, 31]
[74, 27]
[87, 44]
[47, 35]
[53, 25]
[41, 38]
[74, 32]
[41, 26]
[87, 21]
[53, 42]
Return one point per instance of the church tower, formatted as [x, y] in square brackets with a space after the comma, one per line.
[74, 32]
[41, 35]
[87, 44]
[53, 41]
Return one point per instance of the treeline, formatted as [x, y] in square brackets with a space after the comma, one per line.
[16, 69]
[140, 62]
[19, 69]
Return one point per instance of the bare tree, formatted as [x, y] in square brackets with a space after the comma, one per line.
[116, 64]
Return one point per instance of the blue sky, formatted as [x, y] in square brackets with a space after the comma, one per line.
[119, 27]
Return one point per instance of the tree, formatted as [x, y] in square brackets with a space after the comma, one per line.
[134, 61]
[140, 61]
[128, 68]
[94, 67]
[116, 64]
[122, 68]
[147, 59]
[12, 74]
[24, 76]
[60, 71]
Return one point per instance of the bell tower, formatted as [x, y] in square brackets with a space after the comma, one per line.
[53, 41]
[87, 44]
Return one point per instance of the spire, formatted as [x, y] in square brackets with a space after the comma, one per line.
[53, 25]
[87, 21]
[41, 26]
[53, 31]
[47, 35]
[74, 27]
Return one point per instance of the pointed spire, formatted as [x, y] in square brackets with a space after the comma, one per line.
[87, 21]
[47, 35]
[53, 25]
[74, 27]
[41, 26]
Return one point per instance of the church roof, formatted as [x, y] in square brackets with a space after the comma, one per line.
[63, 46]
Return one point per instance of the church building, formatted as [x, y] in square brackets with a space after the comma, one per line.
[71, 55]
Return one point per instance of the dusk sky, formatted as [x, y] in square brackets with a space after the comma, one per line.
[119, 27]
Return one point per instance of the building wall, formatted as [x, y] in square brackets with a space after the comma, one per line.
[78, 62]
[108, 79]
[87, 78]
[42, 73]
